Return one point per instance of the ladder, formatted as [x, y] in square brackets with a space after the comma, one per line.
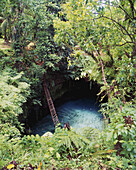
[50, 103]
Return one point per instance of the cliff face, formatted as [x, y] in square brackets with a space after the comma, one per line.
[58, 85]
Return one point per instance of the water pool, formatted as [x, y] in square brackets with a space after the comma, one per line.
[79, 113]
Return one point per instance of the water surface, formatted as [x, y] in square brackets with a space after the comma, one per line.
[80, 113]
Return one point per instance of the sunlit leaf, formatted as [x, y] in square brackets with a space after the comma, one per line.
[10, 166]
[39, 166]
[58, 156]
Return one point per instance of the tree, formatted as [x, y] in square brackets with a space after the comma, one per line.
[102, 40]
[102, 35]
[5, 17]
[35, 51]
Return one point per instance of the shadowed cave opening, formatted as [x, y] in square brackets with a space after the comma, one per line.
[79, 106]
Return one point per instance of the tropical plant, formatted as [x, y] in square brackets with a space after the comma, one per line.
[100, 36]
[13, 93]
[101, 40]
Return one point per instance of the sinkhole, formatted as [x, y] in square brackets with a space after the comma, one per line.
[79, 106]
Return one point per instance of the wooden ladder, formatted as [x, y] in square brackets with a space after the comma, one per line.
[50, 103]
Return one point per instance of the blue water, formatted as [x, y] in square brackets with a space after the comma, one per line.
[80, 113]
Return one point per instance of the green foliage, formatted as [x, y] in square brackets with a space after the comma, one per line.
[57, 152]
[101, 39]
[13, 93]
[48, 150]
[35, 51]
[121, 131]
[96, 33]
[30, 29]
[10, 150]
[90, 133]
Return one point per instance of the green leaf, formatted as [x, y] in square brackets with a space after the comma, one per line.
[109, 135]
[58, 156]
[119, 126]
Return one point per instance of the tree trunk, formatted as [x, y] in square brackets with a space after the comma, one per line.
[5, 36]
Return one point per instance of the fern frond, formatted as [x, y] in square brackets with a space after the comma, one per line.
[71, 139]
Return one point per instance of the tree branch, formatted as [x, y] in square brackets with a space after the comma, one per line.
[104, 79]
[132, 8]
[119, 25]
[92, 55]
[125, 12]
[127, 42]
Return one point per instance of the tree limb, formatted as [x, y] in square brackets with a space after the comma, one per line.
[125, 12]
[132, 8]
[119, 25]
[92, 55]
[104, 79]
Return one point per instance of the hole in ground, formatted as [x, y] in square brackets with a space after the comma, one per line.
[79, 106]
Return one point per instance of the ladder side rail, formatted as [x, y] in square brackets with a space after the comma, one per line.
[50, 104]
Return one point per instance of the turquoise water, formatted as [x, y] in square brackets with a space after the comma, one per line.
[80, 113]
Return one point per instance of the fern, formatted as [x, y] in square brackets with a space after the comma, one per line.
[71, 139]
[13, 94]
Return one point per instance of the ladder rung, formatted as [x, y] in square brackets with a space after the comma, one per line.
[50, 103]
[51, 106]
[52, 110]
[53, 115]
